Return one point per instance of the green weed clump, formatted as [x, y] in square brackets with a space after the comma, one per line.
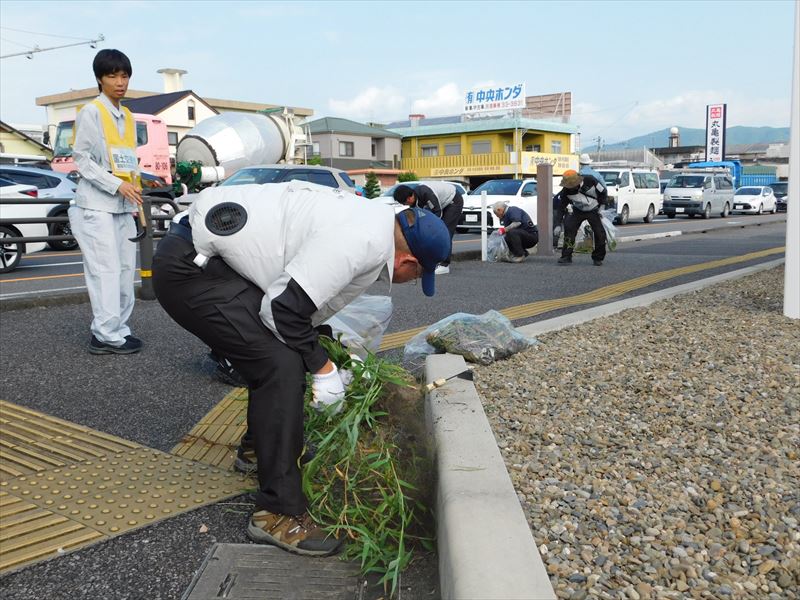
[364, 481]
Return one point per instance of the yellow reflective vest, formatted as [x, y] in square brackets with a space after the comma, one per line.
[121, 149]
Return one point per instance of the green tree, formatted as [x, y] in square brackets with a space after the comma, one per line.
[315, 160]
[407, 176]
[372, 188]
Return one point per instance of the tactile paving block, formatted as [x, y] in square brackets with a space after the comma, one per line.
[214, 439]
[123, 491]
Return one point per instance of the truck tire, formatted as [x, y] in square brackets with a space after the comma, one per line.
[10, 254]
[707, 211]
[651, 213]
[725, 211]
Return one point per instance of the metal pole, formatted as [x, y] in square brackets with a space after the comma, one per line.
[791, 270]
[484, 225]
[146, 255]
[544, 209]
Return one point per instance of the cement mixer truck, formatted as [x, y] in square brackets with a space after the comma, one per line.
[219, 146]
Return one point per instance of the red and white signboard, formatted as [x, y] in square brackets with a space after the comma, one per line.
[715, 131]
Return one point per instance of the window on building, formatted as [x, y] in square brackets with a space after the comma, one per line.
[537, 147]
[315, 148]
[484, 147]
[555, 147]
[430, 150]
[452, 149]
[190, 110]
[374, 148]
[530, 148]
[172, 138]
[141, 133]
[509, 147]
[346, 149]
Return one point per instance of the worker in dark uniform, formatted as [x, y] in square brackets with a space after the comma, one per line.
[251, 271]
[588, 197]
[442, 199]
[520, 233]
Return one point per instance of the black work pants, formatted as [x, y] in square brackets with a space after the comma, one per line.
[519, 240]
[221, 308]
[451, 215]
[572, 223]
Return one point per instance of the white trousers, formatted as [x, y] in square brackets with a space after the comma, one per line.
[109, 264]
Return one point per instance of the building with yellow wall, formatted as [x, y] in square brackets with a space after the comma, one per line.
[474, 151]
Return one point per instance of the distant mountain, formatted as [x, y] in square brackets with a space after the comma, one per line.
[696, 137]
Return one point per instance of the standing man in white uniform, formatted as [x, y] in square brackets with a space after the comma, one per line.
[108, 192]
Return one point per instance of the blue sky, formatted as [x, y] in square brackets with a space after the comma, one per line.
[632, 67]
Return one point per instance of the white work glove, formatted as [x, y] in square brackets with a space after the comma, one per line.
[347, 374]
[328, 390]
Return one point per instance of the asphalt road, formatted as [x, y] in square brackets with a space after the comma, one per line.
[50, 273]
[155, 397]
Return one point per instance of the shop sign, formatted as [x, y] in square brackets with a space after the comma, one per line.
[715, 131]
[495, 98]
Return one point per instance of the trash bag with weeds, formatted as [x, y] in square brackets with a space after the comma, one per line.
[497, 248]
[369, 480]
[361, 324]
[478, 338]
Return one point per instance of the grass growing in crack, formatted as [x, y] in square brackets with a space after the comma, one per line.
[353, 484]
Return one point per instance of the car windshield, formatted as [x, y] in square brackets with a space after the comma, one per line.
[254, 175]
[687, 181]
[498, 187]
[748, 191]
[780, 188]
[610, 177]
[63, 142]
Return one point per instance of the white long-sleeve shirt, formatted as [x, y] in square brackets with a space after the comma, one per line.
[97, 188]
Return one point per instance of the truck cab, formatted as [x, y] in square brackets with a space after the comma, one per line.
[701, 191]
[152, 146]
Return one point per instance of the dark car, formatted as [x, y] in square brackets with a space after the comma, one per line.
[781, 191]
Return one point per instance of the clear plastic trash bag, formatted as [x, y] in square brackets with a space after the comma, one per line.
[497, 249]
[478, 338]
[362, 323]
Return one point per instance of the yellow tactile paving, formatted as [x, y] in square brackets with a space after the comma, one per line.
[63, 486]
[214, 439]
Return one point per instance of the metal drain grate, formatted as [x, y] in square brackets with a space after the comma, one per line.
[248, 571]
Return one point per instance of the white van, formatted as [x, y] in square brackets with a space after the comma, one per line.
[699, 192]
[634, 192]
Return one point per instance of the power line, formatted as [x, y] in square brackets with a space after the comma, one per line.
[7, 41]
[29, 53]
[66, 37]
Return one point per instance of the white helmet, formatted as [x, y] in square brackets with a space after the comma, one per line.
[585, 159]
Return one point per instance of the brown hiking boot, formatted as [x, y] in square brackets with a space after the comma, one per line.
[295, 534]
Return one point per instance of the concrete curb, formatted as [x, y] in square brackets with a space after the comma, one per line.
[486, 549]
[485, 546]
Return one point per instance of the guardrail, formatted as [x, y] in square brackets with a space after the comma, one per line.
[145, 244]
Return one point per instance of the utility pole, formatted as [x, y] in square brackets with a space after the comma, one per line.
[29, 53]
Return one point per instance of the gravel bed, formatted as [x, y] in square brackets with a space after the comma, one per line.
[655, 452]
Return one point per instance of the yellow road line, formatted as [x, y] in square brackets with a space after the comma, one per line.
[524, 311]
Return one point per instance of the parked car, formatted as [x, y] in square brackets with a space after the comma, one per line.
[51, 184]
[699, 192]
[11, 254]
[516, 192]
[781, 191]
[633, 192]
[327, 176]
[755, 199]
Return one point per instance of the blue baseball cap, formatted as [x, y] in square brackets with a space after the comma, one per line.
[429, 241]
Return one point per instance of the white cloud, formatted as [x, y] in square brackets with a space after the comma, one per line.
[687, 109]
[447, 100]
[374, 104]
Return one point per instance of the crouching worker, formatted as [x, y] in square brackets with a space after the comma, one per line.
[251, 270]
[518, 228]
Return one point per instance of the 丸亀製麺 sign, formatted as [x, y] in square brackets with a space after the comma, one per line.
[495, 98]
[715, 132]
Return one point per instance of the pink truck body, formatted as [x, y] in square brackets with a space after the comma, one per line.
[152, 146]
